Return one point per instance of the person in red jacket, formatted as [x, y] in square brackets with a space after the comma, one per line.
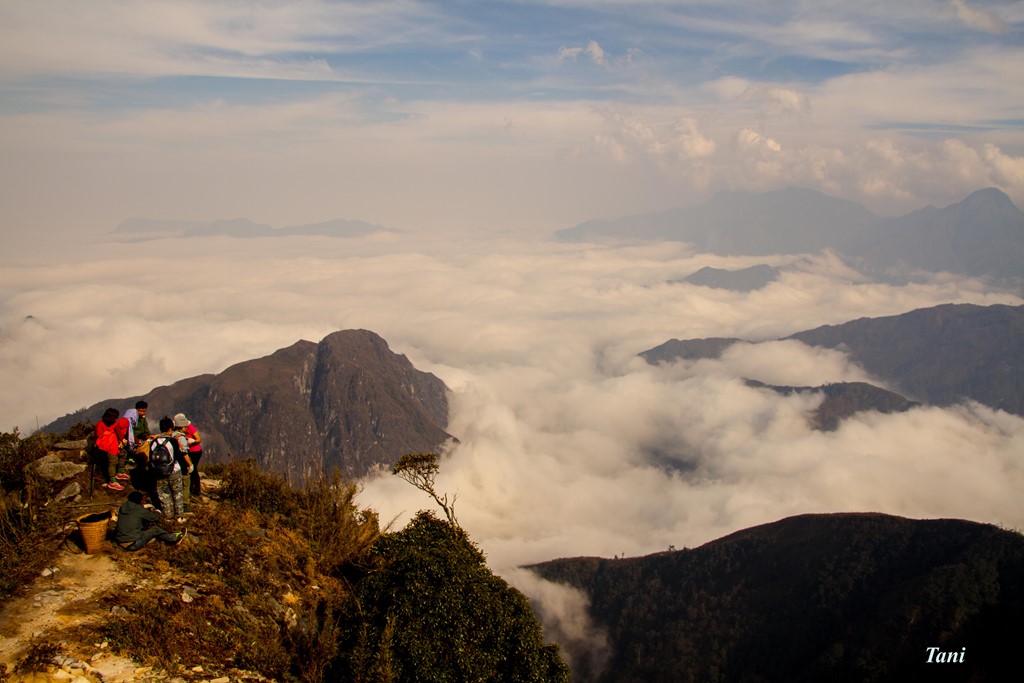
[111, 439]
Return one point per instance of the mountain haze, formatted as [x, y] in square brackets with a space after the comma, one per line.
[981, 236]
[940, 355]
[244, 228]
[793, 220]
[348, 402]
[840, 400]
[743, 280]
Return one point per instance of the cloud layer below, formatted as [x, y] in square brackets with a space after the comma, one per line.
[570, 444]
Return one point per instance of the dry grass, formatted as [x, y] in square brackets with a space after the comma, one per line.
[256, 584]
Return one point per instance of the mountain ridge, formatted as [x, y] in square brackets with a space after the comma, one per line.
[939, 355]
[838, 596]
[347, 402]
[981, 236]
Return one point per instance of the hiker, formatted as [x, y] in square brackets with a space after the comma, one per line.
[180, 437]
[136, 417]
[111, 439]
[195, 450]
[131, 532]
[163, 451]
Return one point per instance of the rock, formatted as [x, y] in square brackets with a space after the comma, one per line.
[70, 445]
[70, 491]
[52, 468]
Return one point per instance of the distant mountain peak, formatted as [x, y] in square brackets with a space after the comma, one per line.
[988, 195]
[982, 236]
[940, 355]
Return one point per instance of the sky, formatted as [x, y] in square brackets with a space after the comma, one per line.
[475, 129]
[522, 116]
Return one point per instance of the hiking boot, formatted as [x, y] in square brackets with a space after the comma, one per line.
[181, 536]
[121, 476]
[114, 486]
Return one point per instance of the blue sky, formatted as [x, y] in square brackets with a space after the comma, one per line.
[525, 116]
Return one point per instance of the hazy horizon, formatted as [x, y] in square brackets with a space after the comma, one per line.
[499, 116]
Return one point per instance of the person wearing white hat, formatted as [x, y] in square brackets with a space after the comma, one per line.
[195, 450]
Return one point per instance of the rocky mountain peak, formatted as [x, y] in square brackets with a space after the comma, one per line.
[347, 402]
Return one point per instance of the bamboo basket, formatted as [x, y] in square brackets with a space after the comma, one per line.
[93, 528]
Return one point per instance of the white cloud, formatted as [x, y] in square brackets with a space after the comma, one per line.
[569, 53]
[592, 50]
[570, 444]
[981, 19]
[198, 38]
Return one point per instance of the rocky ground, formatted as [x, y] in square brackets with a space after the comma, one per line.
[49, 627]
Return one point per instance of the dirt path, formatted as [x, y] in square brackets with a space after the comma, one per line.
[66, 598]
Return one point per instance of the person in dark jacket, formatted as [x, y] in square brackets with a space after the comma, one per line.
[132, 519]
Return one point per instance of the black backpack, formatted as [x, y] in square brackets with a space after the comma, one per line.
[161, 455]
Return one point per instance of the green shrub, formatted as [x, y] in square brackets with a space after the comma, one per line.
[429, 610]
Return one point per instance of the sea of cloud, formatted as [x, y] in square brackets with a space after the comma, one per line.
[569, 443]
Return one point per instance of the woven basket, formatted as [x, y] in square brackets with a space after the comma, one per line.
[93, 528]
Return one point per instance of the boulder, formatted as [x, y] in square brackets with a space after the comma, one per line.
[52, 468]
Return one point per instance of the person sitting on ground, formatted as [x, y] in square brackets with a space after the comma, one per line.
[111, 439]
[164, 452]
[132, 518]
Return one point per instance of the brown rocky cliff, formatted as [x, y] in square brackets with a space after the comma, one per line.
[348, 402]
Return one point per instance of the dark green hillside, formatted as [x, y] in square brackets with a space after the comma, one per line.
[843, 597]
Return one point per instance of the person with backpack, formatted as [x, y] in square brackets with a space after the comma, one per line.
[132, 520]
[111, 439]
[195, 450]
[164, 450]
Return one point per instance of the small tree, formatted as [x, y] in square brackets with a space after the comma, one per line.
[419, 469]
